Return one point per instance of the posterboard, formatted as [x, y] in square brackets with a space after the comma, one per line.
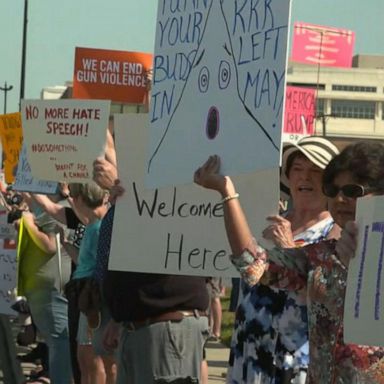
[218, 87]
[64, 137]
[7, 231]
[322, 45]
[119, 76]
[7, 265]
[299, 115]
[364, 303]
[177, 230]
[11, 141]
[7, 278]
[25, 182]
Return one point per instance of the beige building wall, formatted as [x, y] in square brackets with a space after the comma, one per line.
[350, 99]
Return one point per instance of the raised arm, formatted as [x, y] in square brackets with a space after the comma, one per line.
[236, 225]
[248, 257]
[110, 152]
[56, 210]
[104, 173]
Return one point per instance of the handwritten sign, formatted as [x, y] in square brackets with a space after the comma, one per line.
[299, 116]
[176, 230]
[218, 87]
[7, 278]
[320, 45]
[364, 304]
[24, 180]
[11, 140]
[7, 231]
[112, 75]
[64, 137]
[7, 264]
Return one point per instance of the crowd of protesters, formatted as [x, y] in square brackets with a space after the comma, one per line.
[97, 326]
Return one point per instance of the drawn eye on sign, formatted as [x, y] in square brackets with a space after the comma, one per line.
[208, 113]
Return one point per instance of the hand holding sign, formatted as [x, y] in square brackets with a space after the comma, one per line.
[347, 244]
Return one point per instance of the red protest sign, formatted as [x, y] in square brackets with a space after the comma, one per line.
[300, 108]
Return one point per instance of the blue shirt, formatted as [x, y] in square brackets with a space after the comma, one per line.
[88, 249]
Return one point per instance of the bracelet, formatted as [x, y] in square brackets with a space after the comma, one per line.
[230, 197]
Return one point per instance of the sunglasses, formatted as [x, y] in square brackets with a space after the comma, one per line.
[349, 190]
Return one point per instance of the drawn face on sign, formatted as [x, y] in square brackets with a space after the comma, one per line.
[212, 90]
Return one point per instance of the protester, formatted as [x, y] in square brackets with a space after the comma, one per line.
[70, 240]
[44, 268]
[163, 323]
[357, 171]
[97, 366]
[270, 339]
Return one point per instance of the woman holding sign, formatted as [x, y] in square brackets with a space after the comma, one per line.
[356, 172]
[270, 339]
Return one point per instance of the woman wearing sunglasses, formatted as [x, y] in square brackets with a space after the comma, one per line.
[357, 171]
[269, 341]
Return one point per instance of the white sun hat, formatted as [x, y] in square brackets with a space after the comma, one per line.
[316, 149]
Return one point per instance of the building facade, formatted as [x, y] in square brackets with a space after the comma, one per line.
[349, 102]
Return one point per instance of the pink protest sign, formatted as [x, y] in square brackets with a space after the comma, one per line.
[328, 46]
[300, 109]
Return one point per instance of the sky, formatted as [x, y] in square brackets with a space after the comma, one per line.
[56, 27]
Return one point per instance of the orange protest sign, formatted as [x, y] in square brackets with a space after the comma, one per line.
[11, 139]
[111, 75]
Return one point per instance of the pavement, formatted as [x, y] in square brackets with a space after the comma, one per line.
[217, 357]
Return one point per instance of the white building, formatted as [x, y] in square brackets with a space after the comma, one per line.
[349, 100]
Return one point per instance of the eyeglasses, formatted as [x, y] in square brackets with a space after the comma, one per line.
[349, 190]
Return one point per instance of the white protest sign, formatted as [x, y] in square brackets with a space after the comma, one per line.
[24, 181]
[7, 278]
[364, 302]
[218, 87]
[7, 231]
[64, 137]
[7, 264]
[176, 230]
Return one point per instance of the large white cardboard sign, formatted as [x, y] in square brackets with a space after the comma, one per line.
[218, 87]
[64, 137]
[24, 181]
[364, 303]
[176, 230]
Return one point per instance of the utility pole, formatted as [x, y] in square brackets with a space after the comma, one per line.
[5, 89]
[24, 53]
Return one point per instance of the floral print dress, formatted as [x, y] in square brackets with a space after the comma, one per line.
[317, 268]
[270, 339]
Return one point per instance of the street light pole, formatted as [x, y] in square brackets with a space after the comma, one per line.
[24, 52]
[5, 90]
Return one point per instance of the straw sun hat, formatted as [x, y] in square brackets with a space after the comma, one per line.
[318, 150]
